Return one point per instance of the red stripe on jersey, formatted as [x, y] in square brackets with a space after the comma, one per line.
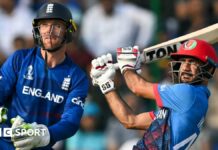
[151, 113]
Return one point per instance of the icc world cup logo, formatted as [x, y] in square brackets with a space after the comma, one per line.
[29, 74]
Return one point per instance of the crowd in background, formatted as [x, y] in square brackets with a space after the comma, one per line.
[103, 26]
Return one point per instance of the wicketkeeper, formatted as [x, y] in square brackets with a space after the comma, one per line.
[41, 87]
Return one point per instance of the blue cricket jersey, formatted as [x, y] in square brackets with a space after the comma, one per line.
[54, 96]
[178, 122]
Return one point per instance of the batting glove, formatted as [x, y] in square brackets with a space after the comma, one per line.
[3, 114]
[103, 72]
[26, 136]
[128, 58]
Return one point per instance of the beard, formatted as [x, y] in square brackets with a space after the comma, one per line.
[51, 41]
[186, 77]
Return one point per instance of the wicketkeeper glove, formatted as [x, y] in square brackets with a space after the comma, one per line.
[3, 114]
[103, 72]
[128, 58]
[35, 135]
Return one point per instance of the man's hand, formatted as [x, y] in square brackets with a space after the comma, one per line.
[17, 121]
[103, 72]
[128, 58]
[35, 135]
[3, 114]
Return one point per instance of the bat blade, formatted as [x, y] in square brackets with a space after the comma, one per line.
[163, 50]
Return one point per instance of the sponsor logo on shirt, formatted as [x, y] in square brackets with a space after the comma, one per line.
[29, 73]
[41, 94]
[77, 101]
[0, 77]
[162, 114]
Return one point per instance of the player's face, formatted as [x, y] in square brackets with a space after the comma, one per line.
[52, 32]
[188, 70]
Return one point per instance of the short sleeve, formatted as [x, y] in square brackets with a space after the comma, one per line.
[178, 97]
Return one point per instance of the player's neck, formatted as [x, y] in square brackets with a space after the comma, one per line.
[54, 58]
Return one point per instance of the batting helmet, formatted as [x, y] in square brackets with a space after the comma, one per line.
[200, 50]
[54, 10]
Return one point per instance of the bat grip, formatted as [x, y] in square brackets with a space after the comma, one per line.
[116, 66]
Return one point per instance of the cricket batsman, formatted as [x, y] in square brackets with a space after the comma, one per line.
[41, 87]
[182, 104]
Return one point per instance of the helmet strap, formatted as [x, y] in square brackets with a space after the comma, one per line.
[46, 64]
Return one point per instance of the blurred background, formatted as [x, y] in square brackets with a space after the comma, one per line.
[105, 25]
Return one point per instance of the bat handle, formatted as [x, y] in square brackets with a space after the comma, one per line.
[116, 66]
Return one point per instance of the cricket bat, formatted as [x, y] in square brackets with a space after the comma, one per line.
[163, 50]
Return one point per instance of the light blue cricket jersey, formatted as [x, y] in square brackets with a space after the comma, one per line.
[188, 106]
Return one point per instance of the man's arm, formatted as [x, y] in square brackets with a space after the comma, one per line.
[129, 61]
[125, 114]
[102, 74]
[138, 85]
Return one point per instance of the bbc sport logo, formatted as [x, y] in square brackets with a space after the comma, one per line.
[9, 132]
